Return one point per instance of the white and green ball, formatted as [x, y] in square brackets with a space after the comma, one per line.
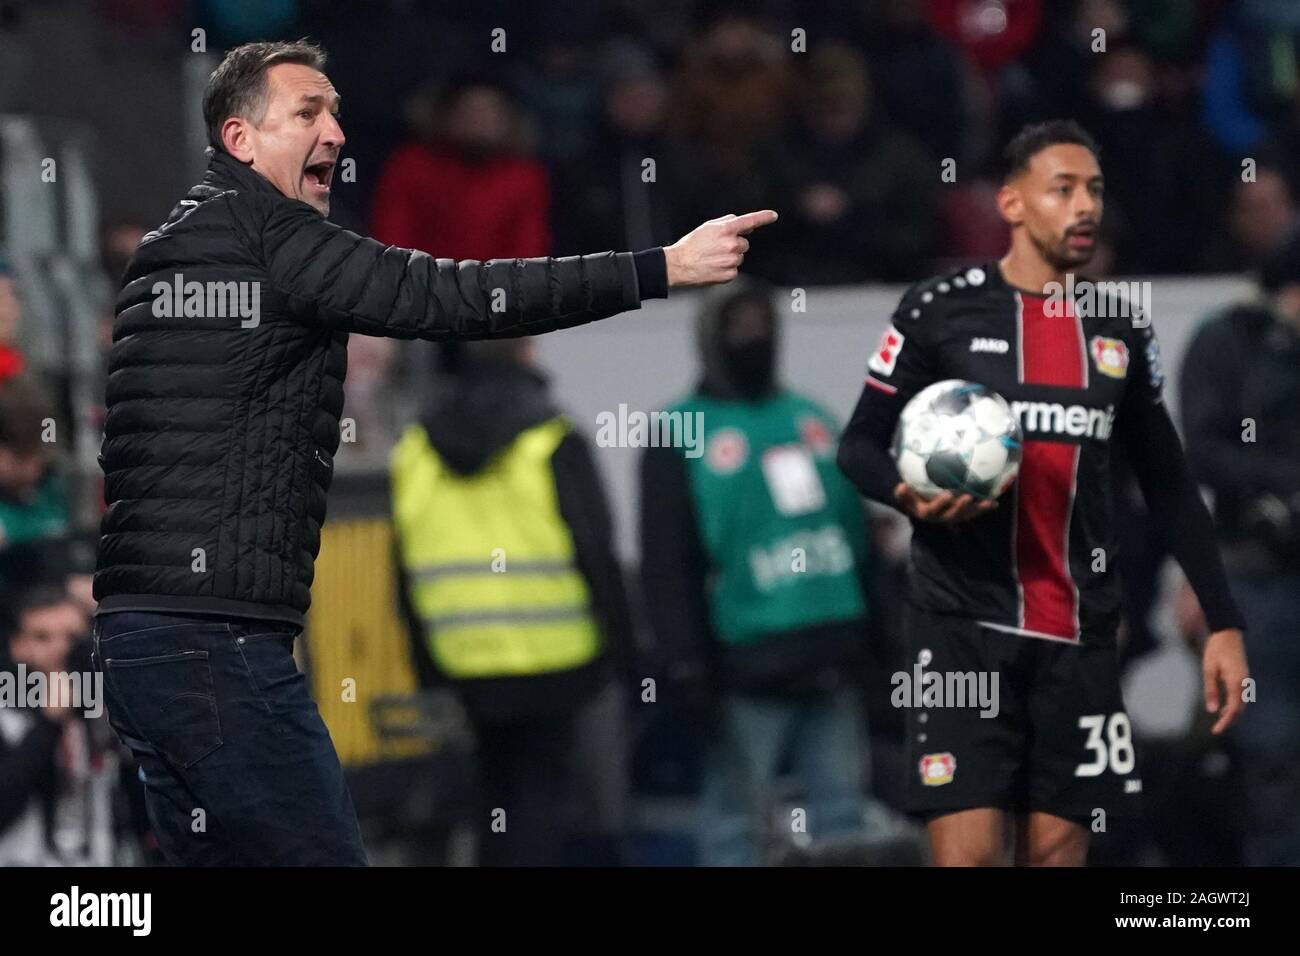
[957, 436]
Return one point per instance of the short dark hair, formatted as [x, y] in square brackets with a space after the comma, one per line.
[21, 601]
[25, 405]
[238, 86]
[1036, 137]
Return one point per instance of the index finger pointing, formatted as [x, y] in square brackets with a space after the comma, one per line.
[743, 225]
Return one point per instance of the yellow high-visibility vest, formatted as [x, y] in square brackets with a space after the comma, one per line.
[489, 561]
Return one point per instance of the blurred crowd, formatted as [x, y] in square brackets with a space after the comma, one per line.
[511, 129]
[872, 127]
[516, 129]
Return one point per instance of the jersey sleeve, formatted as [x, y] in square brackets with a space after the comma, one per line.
[902, 363]
[1146, 379]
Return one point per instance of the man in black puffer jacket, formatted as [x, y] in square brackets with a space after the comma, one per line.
[224, 393]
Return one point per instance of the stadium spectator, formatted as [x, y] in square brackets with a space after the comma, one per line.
[513, 595]
[990, 34]
[605, 198]
[727, 103]
[1240, 389]
[859, 197]
[11, 320]
[33, 503]
[1154, 197]
[754, 556]
[57, 772]
[466, 193]
[557, 83]
[1261, 214]
[1250, 74]
[921, 76]
[67, 559]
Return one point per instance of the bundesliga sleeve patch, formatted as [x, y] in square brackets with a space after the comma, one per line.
[885, 357]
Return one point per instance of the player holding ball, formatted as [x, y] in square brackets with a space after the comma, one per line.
[1014, 579]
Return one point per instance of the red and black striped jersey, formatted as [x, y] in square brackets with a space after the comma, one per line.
[1081, 371]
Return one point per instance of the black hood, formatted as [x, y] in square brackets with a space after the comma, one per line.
[483, 410]
[747, 373]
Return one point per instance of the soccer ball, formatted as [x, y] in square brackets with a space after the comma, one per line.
[957, 436]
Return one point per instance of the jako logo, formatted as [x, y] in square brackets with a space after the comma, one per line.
[73, 909]
[999, 346]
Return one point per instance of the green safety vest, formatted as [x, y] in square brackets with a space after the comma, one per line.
[489, 560]
[783, 529]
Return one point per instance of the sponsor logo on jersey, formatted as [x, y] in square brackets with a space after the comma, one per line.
[937, 769]
[815, 435]
[1110, 356]
[1053, 418]
[726, 451]
[998, 346]
[885, 357]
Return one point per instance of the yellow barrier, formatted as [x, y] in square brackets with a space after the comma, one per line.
[357, 646]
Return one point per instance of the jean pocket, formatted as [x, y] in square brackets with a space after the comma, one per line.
[168, 701]
[273, 673]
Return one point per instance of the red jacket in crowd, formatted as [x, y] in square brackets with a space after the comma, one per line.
[436, 200]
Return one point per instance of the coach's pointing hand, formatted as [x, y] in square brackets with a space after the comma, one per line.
[712, 253]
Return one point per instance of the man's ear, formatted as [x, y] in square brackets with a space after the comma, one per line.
[235, 137]
[1010, 206]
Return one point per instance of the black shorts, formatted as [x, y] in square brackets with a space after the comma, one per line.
[1054, 736]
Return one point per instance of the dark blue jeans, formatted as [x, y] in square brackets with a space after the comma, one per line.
[237, 764]
[1268, 733]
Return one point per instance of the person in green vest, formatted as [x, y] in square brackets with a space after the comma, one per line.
[754, 562]
[516, 601]
[33, 503]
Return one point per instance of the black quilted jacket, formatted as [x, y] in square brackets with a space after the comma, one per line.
[223, 408]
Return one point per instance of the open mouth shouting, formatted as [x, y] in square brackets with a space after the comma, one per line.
[317, 178]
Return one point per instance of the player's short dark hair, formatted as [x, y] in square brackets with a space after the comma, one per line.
[1036, 137]
[238, 86]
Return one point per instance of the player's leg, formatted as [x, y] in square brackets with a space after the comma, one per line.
[966, 762]
[1046, 840]
[978, 837]
[1083, 765]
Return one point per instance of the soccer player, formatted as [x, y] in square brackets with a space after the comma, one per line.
[1023, 588]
